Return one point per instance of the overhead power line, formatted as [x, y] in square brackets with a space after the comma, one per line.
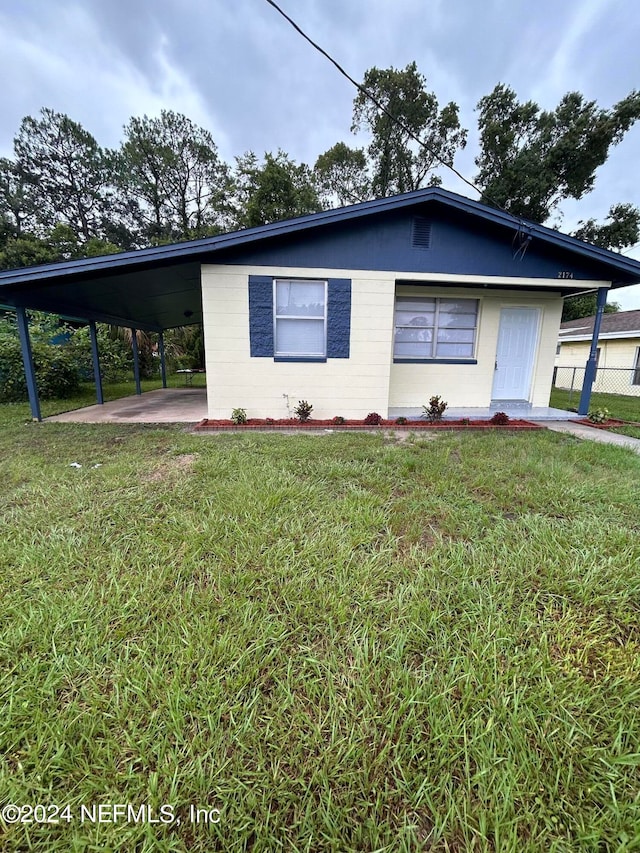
[381, 106]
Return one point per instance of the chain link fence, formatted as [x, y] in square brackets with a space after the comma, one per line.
[609, 380]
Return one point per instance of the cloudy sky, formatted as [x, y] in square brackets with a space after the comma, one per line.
[237, 68]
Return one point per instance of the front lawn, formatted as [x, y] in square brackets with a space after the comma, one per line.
[340, 642]
[620, 406]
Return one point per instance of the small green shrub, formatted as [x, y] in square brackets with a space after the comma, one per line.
[338, 420]
[465, 421]
[239, 416]
[401, 420]
[598, 416]
[373, 419]
[57, 374]
[500, 418]
[303, 411]
[116, 358]
[435, 410]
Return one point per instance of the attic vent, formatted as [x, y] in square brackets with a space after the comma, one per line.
[421, 233]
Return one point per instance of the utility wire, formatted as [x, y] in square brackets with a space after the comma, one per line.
[382, 107]
[629, 249]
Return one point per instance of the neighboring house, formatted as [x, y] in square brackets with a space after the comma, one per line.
[373, 307]
[618, 352]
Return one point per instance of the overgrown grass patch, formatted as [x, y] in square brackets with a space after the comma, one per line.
[343, 642]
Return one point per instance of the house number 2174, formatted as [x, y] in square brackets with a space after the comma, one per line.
[565, 274]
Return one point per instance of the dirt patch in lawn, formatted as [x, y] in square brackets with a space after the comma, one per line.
[172, 466]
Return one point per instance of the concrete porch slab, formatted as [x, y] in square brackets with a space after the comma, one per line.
[519, 412]
[163, 406]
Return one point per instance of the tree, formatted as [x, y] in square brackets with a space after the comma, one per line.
[620, 229]
[26, 251]
[530, 160]
[342, 174]
[16, 207]
[277, 189]
[576, 307]
[184, 346]
[65, 171]
[171, 180]
[60, 244]
[398, 163]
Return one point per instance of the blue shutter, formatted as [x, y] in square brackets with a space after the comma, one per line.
[338, 317]
[261, 316]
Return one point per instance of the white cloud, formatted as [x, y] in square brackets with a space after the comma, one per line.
[569, 66]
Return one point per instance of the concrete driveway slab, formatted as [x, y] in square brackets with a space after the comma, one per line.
[165, 405]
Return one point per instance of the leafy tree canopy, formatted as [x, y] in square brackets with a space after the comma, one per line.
[576, 307]
[395, 161]
[531, 159]
[619, 230]
[15, 203]
[172, 183]
[342, 174]
[276, 189]
[60, 244]
[63, 196]
[61, 175]
[399, 164]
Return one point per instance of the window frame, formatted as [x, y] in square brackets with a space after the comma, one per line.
[300, 356]
[442, 359]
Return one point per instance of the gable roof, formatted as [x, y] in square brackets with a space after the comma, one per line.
[159, 287]
[623, 324]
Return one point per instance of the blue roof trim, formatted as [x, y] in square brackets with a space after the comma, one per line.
[192, 249]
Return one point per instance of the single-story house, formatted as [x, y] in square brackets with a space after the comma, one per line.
[617, 354]
[372, 307]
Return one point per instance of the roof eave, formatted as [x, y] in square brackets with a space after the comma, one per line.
[195, 248]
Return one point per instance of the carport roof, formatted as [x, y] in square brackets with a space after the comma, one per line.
[159, 287]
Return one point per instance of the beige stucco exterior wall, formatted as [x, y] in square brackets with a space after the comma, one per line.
[351, 387]
[615, 365]
[368, 380]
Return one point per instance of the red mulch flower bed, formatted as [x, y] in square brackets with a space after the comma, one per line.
[293, 423]
[610, 424]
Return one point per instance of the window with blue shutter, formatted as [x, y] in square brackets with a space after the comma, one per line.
[299, 319]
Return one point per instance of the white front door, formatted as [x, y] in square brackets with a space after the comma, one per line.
[517, 340]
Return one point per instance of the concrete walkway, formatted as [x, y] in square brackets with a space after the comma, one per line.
[604, 436]
[528, 413]
[166, 405]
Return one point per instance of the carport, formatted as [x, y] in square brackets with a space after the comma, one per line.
[149, 290]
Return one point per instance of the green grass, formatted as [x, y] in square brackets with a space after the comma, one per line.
[632, 431]
[620, 406]
[343, 642]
